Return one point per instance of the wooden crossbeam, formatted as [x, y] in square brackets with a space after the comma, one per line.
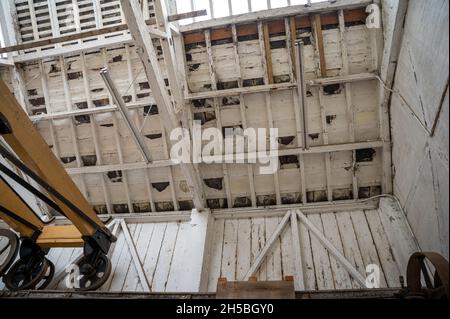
[135, 256]
[246, 156]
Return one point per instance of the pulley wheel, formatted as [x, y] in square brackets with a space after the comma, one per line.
[9, 247]
[436, 287]
[96, 276]
[26, 274]
[48, 276]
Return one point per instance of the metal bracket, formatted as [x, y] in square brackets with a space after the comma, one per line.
[5, 127]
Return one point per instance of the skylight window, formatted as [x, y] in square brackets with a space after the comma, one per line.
[225, 8]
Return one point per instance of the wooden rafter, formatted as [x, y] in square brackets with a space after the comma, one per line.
[172, 120]
[212, 74]
[317, 27]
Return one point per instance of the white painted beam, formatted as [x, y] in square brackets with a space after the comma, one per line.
[262, 155]
[147, 53]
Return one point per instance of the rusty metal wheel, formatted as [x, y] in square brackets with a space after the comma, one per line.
[47, 278]
[94, 276]
[26, 274]
[9, 247]
[436, 288]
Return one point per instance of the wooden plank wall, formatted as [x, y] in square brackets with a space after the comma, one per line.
[363, 237]
[358, 235]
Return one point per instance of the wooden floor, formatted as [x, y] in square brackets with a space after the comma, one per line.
[388, 293]
[359, 235]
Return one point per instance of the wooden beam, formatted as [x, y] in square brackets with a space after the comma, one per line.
[262, 155]
[139, 121]
[291, 33]
[93, 125]
[217, 111]
[187, 15]
[242, 109]
[268, 52]
[348, 99]
[154, 73]
[317, 27]
[327, 156]
[206, 95]
[264, 43]
[60, 236]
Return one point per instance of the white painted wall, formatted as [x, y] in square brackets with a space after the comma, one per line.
[419, 119]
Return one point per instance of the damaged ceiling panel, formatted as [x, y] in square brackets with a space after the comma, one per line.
[238, 76]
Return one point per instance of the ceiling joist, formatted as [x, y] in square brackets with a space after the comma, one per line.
[147, 54]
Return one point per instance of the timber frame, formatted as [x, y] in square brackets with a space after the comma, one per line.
[315, 17]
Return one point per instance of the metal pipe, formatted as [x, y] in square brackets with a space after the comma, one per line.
[301, 88]
[118, 100]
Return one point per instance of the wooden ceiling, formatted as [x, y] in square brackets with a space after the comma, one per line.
[254, 63]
